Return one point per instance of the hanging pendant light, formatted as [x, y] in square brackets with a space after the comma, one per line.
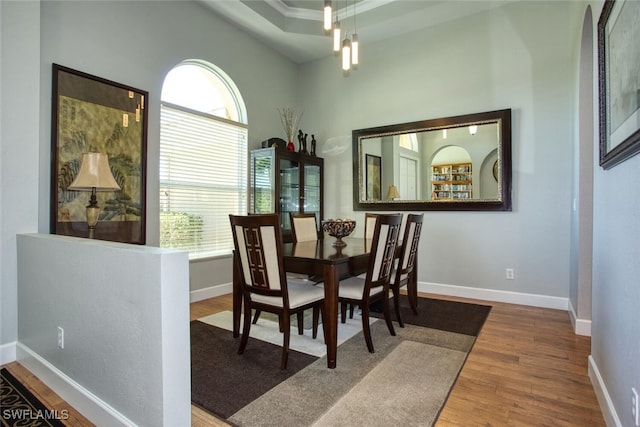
[336, 36]
[327, 16]
[346, 54]
[354, 42]
[354, 51]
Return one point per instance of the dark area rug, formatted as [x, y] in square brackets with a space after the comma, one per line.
[20, 407]
[217, 368]
[226, 384]
[450, 316]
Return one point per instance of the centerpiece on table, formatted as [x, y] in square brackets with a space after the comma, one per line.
[339, 228]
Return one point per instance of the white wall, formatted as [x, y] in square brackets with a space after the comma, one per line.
[137, 43]
[494, 60]
[124, 310]
[131, 42]
[615, 342]
[19, 150]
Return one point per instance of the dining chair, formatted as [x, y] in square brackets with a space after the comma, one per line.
[369, 227]
[375, 286]
[405, 268]
[258, 243]
[304, 226]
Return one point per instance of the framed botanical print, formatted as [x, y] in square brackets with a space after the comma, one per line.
[619, 81]
[373, 177]
[95, 115]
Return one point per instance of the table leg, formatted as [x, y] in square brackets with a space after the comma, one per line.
[237, 297]
[330, 320]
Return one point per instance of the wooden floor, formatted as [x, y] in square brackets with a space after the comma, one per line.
[527, 368]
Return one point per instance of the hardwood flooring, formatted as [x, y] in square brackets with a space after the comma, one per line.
[527, 368]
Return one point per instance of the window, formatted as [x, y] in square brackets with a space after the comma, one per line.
[203, 159]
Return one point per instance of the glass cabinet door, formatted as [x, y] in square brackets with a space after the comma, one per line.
[289, 191]
[283, 182]
[311, 195]
[262, 198]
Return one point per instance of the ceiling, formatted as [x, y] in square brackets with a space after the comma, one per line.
[294, 27]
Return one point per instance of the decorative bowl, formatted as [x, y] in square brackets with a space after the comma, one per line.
[339, 228]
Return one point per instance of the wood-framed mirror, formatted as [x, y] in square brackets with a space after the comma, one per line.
[459, 163]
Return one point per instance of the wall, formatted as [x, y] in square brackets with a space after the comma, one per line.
[132, 43]
[489, 61]
[614, 367]
[19, 150]
[125, 314]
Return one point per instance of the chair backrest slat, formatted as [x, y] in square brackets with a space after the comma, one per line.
[369, 224]
[258, 242]
[410, 242]
[385, 239]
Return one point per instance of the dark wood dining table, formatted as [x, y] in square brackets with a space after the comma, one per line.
[318, 258]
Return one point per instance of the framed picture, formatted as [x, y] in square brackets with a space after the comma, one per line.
[619, 81]
[374, 176]
[91, 114]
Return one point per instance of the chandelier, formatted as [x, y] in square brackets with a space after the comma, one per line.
[347, 48]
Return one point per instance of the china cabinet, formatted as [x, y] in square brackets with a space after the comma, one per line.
[284, 181]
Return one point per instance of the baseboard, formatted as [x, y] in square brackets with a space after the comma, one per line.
[533, 300]
[604, 399]
[7, 353]
[210, 292]
[87, 403]
[580, 326]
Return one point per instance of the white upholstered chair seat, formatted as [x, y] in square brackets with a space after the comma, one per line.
[299, 295]
[353, 288]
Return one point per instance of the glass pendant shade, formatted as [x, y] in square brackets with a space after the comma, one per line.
[346, 54]
[327, 16]
[354, 51]
[336, 36]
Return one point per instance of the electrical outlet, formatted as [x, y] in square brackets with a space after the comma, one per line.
[509, 274]
[60, 337]
[635, 407]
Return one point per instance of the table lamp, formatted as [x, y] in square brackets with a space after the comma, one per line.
[393, 192]
[94, 175]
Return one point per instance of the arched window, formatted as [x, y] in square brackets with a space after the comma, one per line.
[203, 159]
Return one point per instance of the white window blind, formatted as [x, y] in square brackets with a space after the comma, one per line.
[203, 170]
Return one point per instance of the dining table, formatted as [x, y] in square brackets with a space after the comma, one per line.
[329, 263]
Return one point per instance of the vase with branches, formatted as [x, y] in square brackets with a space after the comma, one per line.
[290, 120]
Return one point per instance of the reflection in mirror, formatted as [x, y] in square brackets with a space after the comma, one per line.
[454, 163]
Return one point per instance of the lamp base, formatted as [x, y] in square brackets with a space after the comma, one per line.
[93, 211]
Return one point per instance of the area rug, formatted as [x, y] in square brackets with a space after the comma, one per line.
[20, 407]
[452, 316]
[405, 382]
[266, 329]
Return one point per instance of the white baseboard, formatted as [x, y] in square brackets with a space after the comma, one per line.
[580, 326]
[435, 288]
[7, 353]
[604, 399]
[87, 403]
[210, 292]
[533, 300]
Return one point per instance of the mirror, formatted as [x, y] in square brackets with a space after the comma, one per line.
[448, 164]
